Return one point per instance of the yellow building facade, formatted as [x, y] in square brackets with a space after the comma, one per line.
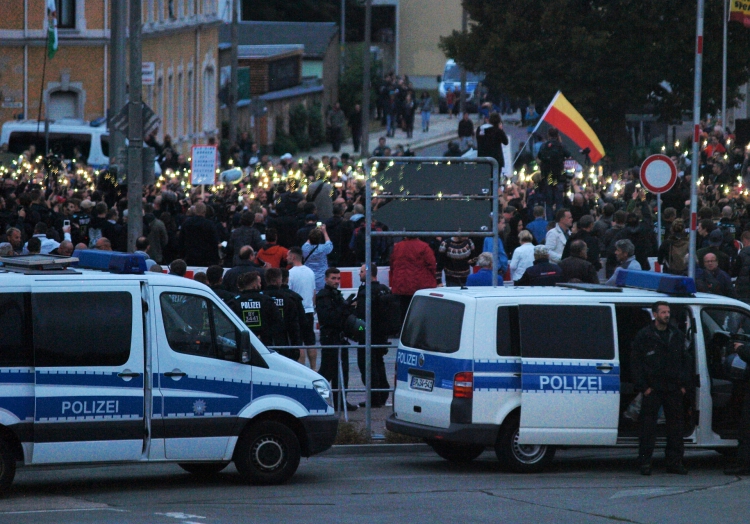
[179, 36]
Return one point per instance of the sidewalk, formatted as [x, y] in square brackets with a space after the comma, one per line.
[442, 129]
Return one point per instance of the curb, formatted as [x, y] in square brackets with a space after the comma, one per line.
[375, 449]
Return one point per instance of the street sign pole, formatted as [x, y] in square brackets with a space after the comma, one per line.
[658, 214]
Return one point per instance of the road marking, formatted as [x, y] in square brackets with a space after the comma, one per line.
[59, 511]
[647, 492]
[181, 516]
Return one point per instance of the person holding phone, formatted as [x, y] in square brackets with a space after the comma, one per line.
[315, 254]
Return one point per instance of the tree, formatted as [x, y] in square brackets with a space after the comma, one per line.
[608, 57]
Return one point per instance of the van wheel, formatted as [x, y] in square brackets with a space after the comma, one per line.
[7, 465]
[203, 469]
[457, 453]
[521, 458]
[267, 453]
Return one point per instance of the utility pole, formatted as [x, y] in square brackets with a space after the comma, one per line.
[724, 120]
[117, 79]
[365, 146]
[234, 81]
[462, 101]
[135, 130]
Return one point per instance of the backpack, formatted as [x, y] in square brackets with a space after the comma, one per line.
[676, 260]
[551, 154]
[389, 312]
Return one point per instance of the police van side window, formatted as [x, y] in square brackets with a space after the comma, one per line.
[15, 330]
[196, 326]
[570, 332]
[508, 334]
[433, 325]
[82, 329]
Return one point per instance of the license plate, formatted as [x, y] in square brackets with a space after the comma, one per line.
[423, 384]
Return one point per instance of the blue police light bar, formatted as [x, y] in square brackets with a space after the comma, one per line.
[113, 261]
[669, 284]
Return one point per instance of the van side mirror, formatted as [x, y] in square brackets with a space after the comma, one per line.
[250, 355]
[439, 78]
[245, 347]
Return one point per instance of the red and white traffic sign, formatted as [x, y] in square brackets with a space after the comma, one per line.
[658, 174]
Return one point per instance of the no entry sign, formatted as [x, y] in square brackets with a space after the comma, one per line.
[658, 174]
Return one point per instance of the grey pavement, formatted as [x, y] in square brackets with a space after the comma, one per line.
[581, 486]
[442, 129]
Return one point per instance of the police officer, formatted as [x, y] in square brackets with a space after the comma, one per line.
[332, 314]
[258, 311]
[290, 335]
[379, 377]
[742, 466]
[661, 371]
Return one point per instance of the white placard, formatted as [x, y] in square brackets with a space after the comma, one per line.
[148, 73]
[203, 165]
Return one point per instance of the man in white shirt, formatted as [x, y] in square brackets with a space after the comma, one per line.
[302, 282]
[558, 236]
[48, 244]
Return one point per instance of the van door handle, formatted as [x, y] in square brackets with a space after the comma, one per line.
[176, 373]
[516, 374]
[127, 374]
[605, 367]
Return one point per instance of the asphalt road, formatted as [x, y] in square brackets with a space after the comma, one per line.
[581, 486]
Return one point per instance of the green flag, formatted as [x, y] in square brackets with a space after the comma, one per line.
[52, 40]
[51, 29]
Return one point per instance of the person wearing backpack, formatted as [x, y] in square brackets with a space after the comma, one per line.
[380, 332]
[673, 251]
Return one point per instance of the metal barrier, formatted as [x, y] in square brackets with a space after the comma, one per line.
[367, 390]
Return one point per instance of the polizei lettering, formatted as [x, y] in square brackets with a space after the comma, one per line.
[250, 304]
[91, 407]
[570, 383]
[408, 359]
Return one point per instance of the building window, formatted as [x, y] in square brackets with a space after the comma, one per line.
[160, 100]
[190, 104]
[169, 113]
[283, 74]
[209, 99]
[180, 105]
[150, 11]
[63, 104]
[66, 14]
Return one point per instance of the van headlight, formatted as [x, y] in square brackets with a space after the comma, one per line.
[324, 390]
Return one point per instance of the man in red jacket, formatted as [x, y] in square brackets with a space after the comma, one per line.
[413, 267]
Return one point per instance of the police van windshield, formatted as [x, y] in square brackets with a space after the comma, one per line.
[433, 325]
[453, 74]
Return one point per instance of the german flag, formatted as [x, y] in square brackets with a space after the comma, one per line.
[575, 132]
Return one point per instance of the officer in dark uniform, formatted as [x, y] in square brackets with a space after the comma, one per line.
[290, 335]
[661, 369]
[332, 312]
[298, 303]
[258, 311]
[379, 377]
[742, 466]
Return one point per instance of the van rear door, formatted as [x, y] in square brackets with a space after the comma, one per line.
[436, 344]
[570, 375]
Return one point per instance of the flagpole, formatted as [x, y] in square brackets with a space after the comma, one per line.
[539, 122]
[696, 137]
[724, 120]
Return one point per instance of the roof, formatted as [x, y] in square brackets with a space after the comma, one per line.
[557, 293]
[315, 36]
[266, 51]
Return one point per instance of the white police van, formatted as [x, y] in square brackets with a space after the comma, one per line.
[144, 367]
[525, 369]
